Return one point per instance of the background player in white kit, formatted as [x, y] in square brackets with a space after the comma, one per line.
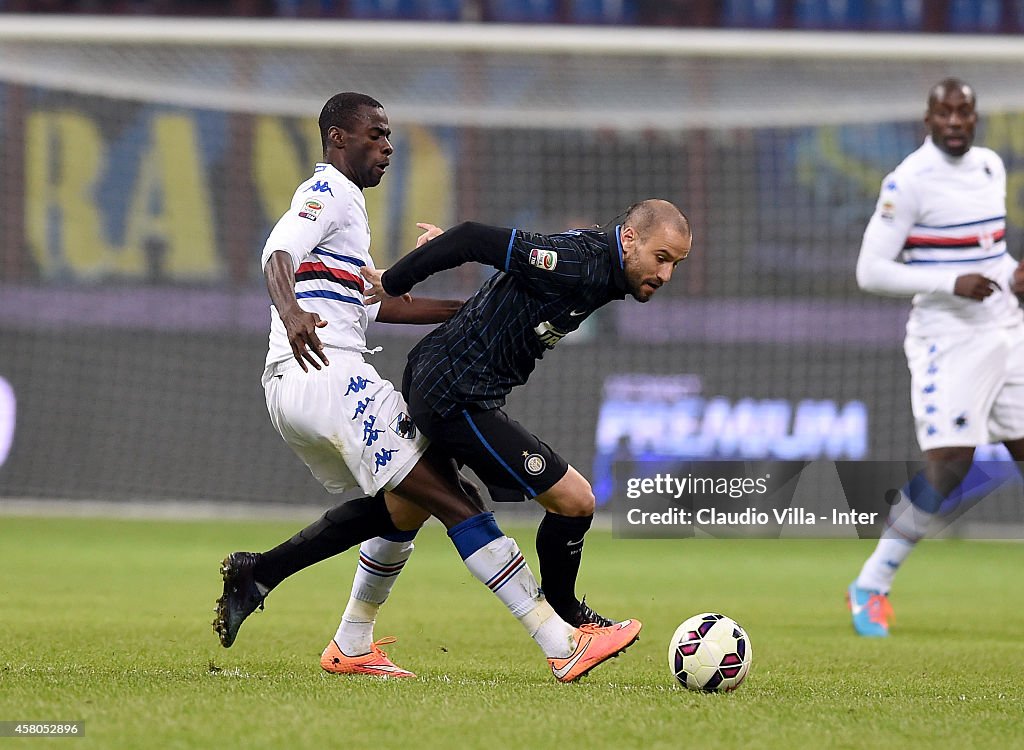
[942, 211]
[350, 426]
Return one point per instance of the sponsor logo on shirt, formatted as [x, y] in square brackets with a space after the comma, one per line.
[546, 260]
[311, 209]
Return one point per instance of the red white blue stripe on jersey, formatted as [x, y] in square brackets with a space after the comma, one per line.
[310, 271]
[377, 568]
[506, 574]
[316, 279]
[956, 243]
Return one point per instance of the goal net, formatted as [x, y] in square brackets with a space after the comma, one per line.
[145, 161]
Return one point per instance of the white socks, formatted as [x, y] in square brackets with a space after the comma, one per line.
[501, 567]
[880, 569]
[380, 562]
[906, 526]
[493, 558]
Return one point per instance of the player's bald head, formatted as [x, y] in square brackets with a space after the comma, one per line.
[939, 91]
[951, 116]
[655, 237]
[647, 214]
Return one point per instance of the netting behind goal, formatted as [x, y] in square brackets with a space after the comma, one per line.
[144, 162]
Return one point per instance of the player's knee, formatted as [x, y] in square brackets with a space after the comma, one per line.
[584, 503]
[409, 519]
[579, 502]
[405, 515]
[570, 496]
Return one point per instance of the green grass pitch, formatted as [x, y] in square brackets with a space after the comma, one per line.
[109, 622]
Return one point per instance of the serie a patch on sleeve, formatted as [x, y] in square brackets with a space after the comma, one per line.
[546, 260]
[887, 209]
[311, 209]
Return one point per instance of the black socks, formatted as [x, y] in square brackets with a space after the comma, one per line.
[339, 529]
[560, 551]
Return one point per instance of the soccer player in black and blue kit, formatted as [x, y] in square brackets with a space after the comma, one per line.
[346, 423]
[458, 376]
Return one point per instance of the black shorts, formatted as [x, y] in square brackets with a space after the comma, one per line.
[514, 463]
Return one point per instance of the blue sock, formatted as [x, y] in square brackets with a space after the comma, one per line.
[474, 533]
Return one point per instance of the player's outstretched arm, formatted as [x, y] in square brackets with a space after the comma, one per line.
[463, 243]
[300, 325]
[416, 310]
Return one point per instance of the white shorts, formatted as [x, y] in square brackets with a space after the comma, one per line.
[967, 390]
[347, 423]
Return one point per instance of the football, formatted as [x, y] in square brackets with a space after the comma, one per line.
[709, 652]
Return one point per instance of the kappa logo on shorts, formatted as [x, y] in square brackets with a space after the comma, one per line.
[546, 260]
[362, 405]
[381, 458]
[370, 432]
[403, 426]
[533, 463]
[311, 209]
[356, 384]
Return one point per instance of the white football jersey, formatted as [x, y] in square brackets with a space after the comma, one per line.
[327, 233]
[939, 217]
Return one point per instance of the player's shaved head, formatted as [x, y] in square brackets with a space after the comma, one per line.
[939, 90]
[647, 214]
[951, 116]
[344, 111]
[655, 238]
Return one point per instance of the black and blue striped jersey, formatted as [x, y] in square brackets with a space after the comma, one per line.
[546, 286]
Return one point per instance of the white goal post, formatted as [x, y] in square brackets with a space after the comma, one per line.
[509, 76]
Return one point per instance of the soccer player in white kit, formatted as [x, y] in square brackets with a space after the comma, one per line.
[350, 426]
[938, 235]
